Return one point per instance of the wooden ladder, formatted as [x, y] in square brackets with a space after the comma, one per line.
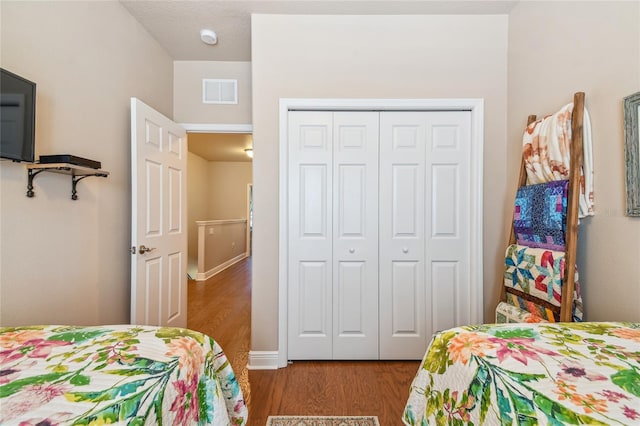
[564, 312]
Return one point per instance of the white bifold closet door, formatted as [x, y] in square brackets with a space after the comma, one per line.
[378, 231]
[424, 228]
[333, 235]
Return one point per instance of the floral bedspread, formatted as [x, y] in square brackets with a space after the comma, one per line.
[122, 374]
[529, 374]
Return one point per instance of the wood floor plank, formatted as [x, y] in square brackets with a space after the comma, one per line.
[221, 308]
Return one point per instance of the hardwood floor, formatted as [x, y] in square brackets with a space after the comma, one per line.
[221, 308]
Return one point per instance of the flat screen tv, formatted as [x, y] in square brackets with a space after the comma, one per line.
[17, 117]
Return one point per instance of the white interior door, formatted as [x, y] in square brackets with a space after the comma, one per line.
[333, 230]
[403, 334]
[310, 266]
[448, 220]
[425, 232]
[158, 223]
[355, 235]
[379, 231]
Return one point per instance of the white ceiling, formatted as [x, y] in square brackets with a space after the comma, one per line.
[176, 25]
[220, 146]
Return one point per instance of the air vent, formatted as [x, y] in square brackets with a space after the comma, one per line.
[219, 91]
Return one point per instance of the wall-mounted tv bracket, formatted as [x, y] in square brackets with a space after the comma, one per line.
[77, 173]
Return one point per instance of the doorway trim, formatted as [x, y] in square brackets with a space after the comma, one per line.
[475, 106]
[249, 221]
[217, 128]
[222, 128]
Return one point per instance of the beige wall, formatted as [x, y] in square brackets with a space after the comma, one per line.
[197, 205]
[228, 189]
[65, 261]
[55, 252]
[556, 49]
[371, 57]
[215, 190]
[187, 86]
[223, 242]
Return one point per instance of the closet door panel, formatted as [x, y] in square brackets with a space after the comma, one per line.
[352, 280]
[405, 295]
[355, 235]
[313, 297]
[405, 184]
[314, 196]
[444, 205]
[445, 312]
[448, 218]
[402, 214]
[310, 270]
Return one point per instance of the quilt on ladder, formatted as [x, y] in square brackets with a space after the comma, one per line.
[547, 155]
[540, 215]
[510, 313]
[539, 273]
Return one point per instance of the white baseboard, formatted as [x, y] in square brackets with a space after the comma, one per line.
[203, 276]
[263, 360]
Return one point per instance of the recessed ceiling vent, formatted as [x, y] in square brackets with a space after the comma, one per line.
[219, 91]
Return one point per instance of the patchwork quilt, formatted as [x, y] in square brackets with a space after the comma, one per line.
[534, 271]
[529, 374]
[134, 375]
[540, 215]
[509, 313]
[539, 273]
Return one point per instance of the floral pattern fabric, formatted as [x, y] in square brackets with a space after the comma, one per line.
[134, 375]
[547, 155]
[529, 374]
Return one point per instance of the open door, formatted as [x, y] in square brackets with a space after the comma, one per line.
[158, 219]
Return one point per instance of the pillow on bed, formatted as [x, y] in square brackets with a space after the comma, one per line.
[540, 215]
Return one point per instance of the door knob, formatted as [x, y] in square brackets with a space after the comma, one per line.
[143, 249]
[352, 250]
[405, 250]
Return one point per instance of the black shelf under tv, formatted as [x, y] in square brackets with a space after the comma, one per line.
[76, 172]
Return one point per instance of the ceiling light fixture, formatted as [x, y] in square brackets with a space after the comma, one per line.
[249, 152]
[208, 36]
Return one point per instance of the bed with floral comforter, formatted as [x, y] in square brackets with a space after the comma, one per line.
[130, 375]
[529, 374]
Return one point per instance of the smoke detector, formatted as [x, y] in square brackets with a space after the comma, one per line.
[208, 36]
